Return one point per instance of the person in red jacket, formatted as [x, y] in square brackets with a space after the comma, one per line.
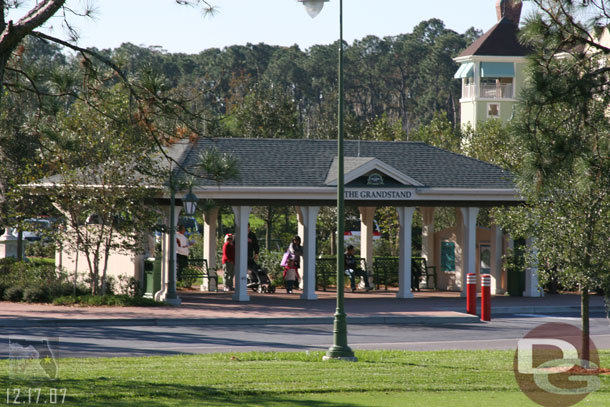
[228, 262]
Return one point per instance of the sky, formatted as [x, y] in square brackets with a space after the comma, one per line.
[177, 28]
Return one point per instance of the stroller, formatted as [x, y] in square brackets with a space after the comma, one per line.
[258, 279]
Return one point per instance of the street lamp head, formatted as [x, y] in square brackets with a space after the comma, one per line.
[190, 203]
[313, 7]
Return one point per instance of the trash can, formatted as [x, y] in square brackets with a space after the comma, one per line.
[152, 276]
[149, 265]
[516, 281]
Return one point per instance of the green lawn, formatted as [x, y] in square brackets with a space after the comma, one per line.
[379, 378]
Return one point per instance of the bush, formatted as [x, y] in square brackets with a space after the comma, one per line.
[102, 300]
[270, 261]
[14, 294]
[40, 249]
[36, 294]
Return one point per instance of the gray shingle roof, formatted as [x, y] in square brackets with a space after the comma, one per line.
[305, 163]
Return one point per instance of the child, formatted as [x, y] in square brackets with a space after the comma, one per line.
[291, 276]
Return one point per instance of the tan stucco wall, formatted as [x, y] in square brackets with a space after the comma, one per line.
[448, 281]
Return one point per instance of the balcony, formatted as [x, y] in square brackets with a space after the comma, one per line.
[467, 91]
[497, 91]
[489, 91]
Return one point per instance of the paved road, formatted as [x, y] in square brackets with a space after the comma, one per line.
[502, 333]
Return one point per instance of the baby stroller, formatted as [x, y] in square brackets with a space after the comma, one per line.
[258, 279]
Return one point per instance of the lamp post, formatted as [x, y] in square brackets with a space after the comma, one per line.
[340, 349]
[189, 203]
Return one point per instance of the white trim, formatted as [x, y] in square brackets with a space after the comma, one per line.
[489, 58]
[487, 110]
[371, 165]
[330, 194]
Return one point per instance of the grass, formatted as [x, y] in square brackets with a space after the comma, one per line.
[379, 378]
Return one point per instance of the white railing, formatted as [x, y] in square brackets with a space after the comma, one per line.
[498, 91]
[468, 91]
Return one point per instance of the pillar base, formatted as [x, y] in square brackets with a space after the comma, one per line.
[176, 302]
[404, 295]
[305, 296]
[241, 298]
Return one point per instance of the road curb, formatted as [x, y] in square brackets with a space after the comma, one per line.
[417, 319]
[386, 320]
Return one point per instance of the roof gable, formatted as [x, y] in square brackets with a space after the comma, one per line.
[500, 40]
[355, 167]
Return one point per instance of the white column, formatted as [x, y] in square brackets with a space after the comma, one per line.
[301, 233]
[242, 214]
[427, 236]
[209, 244]
[496, 259]
[469, 244]
[308, 217]
[531, 273]
[8, 244]
[165, 255]
[405, 217]
[367, 214]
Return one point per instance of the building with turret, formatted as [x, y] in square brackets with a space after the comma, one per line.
[492, 69]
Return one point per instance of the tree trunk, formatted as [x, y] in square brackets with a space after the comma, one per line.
[584, 314]
[19, 244]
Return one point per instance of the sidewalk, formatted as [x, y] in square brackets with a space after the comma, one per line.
[378, 307]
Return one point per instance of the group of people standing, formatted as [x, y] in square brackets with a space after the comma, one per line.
[291, 260]
[228, 257]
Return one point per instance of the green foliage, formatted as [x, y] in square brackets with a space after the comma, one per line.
[270, 260]
[120, 300]
[492, 143]
[562, 130]
[22, 281]
[439, 133]
[40, 249]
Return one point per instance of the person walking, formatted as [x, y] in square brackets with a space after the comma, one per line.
[296, 250]
[228, 262]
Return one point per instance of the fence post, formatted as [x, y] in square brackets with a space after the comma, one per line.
[486, 297]
[471, 293]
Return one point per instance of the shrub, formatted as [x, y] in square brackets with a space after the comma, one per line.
[36, 294]
[40, 249]
[99, 300]
[14, 294]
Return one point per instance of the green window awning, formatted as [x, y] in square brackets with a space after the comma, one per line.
[497, 70]
[465, 71]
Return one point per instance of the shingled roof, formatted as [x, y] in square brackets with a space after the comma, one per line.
[306, 163]
[500, 40]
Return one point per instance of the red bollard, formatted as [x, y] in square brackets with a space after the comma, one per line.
[486, 297]
[471, 293]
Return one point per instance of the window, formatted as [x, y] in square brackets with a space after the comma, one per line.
[447, 256]
[493, 110]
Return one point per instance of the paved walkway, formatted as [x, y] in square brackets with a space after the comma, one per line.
[432, 308]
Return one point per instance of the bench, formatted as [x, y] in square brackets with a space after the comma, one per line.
[326, 270]
[386, 271]
[198, 268]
